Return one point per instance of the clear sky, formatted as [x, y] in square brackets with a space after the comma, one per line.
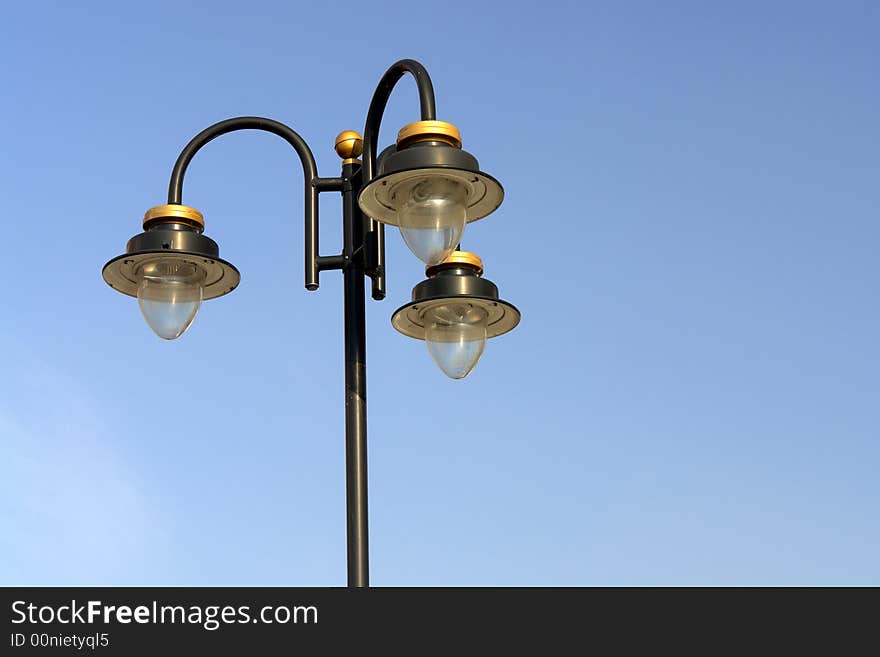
[690, 230]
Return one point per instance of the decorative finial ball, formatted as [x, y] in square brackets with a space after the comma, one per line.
[349, 144]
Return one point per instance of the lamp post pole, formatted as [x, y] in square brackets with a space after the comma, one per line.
[355, 379]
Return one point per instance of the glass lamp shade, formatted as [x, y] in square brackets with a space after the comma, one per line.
[456, 336]
[169, 294]
[431, 215]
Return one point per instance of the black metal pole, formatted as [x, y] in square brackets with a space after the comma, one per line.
[355, 381]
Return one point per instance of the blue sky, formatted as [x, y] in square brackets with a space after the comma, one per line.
[690, 230]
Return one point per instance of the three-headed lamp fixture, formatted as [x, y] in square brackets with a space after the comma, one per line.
[425, 184]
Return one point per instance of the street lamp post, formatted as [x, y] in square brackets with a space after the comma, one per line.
[425, 184]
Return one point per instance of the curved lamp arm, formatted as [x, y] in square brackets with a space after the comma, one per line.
[371, 138]
[310, 171]
[380, 100]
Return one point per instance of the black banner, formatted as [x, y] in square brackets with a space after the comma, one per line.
[129, 621]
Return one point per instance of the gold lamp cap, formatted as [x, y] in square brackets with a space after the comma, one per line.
[458, 259]
[429, 131]
[174, 214]
[349, 144]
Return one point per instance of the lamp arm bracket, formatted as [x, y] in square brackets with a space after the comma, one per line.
[312, 183]
[375, 256]
[329, 184]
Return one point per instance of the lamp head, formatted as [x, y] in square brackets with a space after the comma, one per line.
[455, 311]
[429, 187]
[171, 268]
